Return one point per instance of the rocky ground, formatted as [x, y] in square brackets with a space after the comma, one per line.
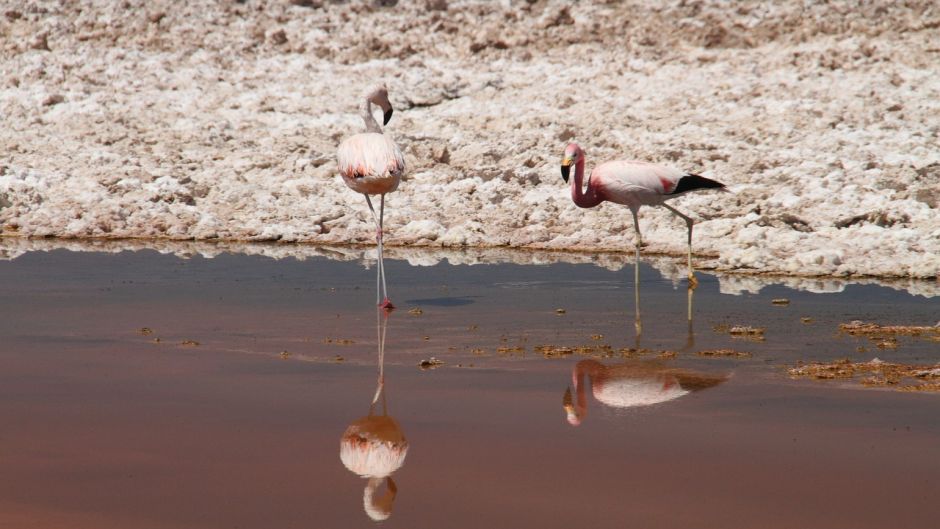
[219, 120]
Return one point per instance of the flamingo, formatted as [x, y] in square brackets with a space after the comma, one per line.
[631, 385]
[633, 184]
[372, 164]
[374, 446]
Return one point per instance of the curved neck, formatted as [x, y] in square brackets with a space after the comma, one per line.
[365, 109]
[583, 199]
[585, 367]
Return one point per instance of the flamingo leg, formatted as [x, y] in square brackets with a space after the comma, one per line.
[378, 240]
[693, 282]
[386, 303]
[636, 228]
[638, 325]
[381, 327]
[636, 275]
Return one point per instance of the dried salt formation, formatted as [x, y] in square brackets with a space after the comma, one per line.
[218, 120]
[902, 377]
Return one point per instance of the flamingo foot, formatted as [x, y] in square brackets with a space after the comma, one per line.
[387, 305]
[693, 281]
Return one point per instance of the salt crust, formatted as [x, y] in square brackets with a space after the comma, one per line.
[220, 120]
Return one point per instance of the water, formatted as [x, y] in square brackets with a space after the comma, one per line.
[103, 427]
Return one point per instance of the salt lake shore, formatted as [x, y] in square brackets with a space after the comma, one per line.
[219, 120]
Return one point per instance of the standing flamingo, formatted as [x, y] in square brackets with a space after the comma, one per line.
[372, 164]
[633, 184]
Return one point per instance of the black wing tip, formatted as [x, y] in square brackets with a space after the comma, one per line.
[691, 182]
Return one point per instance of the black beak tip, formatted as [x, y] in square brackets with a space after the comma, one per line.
[387, 117]
[565, 170]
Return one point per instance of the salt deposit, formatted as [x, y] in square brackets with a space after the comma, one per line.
[219, 120]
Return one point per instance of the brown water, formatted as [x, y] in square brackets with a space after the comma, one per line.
[101, 427]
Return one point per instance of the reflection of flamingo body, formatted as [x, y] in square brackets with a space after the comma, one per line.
[633, 184]
[631, 385]
[374, 446]
[372, 164]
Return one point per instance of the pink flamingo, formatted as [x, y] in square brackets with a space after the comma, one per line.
[374, 446]
[633, 184]
[631, 385]
[372, 164]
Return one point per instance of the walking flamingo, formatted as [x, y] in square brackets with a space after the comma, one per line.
[633, 184]
[631, 384]
[372, 164]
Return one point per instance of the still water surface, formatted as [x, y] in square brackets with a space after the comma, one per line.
[102, 427]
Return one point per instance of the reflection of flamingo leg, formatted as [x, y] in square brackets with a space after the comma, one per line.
[693, 282]
[381, 328]
[690, 341]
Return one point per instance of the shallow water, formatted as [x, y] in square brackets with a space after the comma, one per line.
[102, 427]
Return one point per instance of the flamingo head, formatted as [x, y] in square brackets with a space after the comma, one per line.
[379, 96]
[573, 155]
[574, 418]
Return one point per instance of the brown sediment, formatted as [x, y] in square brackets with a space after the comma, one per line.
[880, 373]
[746, 330]
[430, 363]
[338, 341]
[551, 351]
[860, 328]
[513, 350]
[724, 353]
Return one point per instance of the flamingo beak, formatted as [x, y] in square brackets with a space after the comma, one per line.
[570, 412]
[566, 168]
[387, 116]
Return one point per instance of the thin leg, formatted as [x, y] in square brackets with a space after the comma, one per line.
[380, 273]
[636, 276]
[636, 228]
[378, 240]
[693, 282]
[636, 296]
[386, 303]
[381, 328]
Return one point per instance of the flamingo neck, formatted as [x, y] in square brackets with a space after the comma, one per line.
[581, 198]
[582, 368]
[365, 109]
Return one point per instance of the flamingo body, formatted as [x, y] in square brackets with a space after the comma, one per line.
[631, 385]
[633, 184]
[626, 392]
[370, 163]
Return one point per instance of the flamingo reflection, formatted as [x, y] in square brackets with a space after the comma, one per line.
[638, 323]
[374, 446]
[631, 385]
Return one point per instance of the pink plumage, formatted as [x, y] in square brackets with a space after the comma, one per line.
[633, 184]
[370, 163]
